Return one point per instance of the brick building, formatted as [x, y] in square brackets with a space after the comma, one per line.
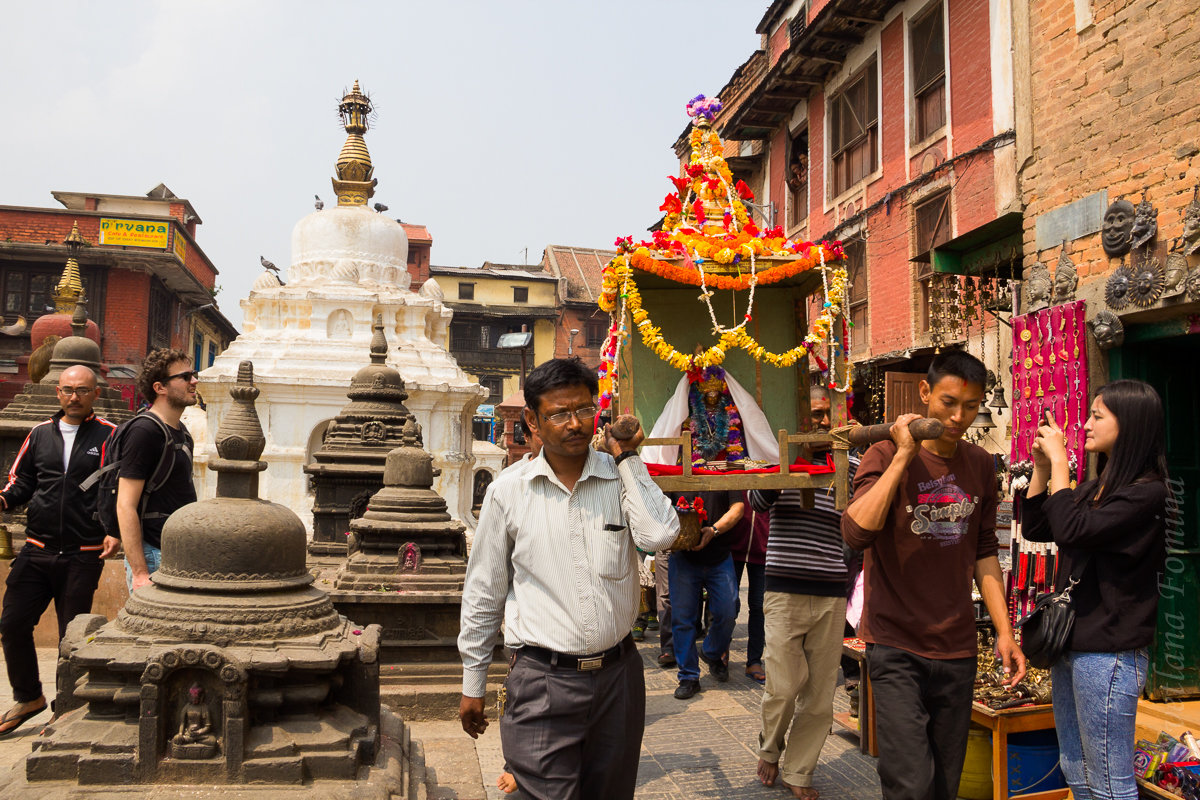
[888, 125]
[147, 282]
[1109, 97]
[579, 271]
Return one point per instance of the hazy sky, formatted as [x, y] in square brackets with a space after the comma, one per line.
[500, 125]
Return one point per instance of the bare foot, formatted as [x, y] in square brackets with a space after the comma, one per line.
[767, 772]
[802, 792]
[506, 783]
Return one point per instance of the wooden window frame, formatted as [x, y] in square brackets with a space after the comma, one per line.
[797, 182]
[466, 290]
[925, 238]
[594, 332]
[927, 48]
[858, 306]
[520, 294]
[854, 154]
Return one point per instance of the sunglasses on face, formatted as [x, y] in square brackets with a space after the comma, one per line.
[188, 376]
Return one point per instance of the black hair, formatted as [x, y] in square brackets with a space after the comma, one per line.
[960, 364]
[555, 374]
[1140, 452]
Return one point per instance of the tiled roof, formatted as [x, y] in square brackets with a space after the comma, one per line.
[582, 267]
[417, 232]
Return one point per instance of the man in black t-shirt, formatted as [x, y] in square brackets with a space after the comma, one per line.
[707, 566]
[167, 378]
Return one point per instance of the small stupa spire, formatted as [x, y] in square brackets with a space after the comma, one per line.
[354, 184]
[240, 441]
[70, 286]
[378, 342]
[79, 318]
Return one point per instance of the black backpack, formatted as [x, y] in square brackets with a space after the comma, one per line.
[112, 454]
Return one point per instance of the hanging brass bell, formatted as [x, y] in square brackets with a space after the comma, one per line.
[6, 551]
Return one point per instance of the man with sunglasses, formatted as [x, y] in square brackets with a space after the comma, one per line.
[555, 559]
[168, 383]
[63, 541]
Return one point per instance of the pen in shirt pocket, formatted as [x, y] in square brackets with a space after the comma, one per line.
[610, 526]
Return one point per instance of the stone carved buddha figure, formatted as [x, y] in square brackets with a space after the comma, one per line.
[1065, 279]
[195, 739]
[1037, 287]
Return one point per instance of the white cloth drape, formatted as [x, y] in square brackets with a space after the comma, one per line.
[760, 442]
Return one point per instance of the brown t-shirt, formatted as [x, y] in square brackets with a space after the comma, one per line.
[919, 568]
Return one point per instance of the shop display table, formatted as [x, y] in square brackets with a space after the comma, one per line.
[865, 727]
[1001, 724]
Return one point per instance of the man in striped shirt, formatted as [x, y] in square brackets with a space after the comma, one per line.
[63, 541]
[804, 609]
[555, 559]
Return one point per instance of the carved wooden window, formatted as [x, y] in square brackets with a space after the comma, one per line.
[854, 131]
[856, 267]
[495, 387]
[29, 291]
[462, 337]
[931, 227]
[594, 332]
[797, 179]
[928, 47]
[159, 319]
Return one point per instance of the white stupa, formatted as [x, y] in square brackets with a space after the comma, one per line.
[308, 337]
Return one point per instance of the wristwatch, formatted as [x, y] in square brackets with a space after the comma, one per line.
[622, 456]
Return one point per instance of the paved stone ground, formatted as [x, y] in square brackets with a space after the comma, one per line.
[697, 748]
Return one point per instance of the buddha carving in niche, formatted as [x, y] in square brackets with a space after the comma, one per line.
[195, 739]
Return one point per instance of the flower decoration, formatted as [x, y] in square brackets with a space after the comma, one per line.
[708, 239]
[696, 504]
[702, 107]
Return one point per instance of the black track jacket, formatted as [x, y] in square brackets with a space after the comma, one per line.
[60, 517]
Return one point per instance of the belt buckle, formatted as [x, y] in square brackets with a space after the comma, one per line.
[587, 664]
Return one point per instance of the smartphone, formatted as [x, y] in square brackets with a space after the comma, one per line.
[1049, 417]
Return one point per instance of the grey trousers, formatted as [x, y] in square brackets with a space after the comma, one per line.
[571, 735]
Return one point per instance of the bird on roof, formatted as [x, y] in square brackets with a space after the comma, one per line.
[319, 204]
[267, 265]
[380, 207]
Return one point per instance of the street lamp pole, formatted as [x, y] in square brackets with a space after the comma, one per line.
[571, 342]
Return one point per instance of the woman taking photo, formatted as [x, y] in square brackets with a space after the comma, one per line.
[1110, 532]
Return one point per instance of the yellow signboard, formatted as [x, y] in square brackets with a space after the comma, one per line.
[180, 247]
[133, 233]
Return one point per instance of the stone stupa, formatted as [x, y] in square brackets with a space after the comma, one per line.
[306, 337]
[230, 667]
[348, 467]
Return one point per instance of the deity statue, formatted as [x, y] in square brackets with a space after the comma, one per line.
[195, 738]
[713, 419]
[1037, 288]
[1065, 278]
[1107, 330]
[1191, 226]
[1174, 273]
[410, 557]
[1118, 222]
[1145, 223]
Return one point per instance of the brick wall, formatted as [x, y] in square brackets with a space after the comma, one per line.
[1114, 107]
[126, 300]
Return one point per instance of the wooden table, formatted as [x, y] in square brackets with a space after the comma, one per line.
[1001, 724]
[865, 729]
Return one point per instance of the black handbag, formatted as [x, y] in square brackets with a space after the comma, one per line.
[1046, 629]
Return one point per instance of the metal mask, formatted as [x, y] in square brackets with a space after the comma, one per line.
[1114, 233]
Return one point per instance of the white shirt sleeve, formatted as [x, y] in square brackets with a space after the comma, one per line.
[487, 584]
[652, 519]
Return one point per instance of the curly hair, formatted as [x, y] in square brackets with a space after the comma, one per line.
[155, 370]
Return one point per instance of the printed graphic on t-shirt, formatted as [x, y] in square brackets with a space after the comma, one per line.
[943, 511]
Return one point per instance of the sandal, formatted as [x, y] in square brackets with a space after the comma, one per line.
[20, 719]
[757, 672]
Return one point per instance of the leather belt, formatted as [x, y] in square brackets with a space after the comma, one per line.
[581, 663]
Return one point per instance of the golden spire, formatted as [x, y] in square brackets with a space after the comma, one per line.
[70, 287]
[354, 184]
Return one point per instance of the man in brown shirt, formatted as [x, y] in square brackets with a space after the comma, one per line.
[925, 515]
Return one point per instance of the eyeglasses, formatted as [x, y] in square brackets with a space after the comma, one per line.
[81, 391]
[584, 415]
[188, 376]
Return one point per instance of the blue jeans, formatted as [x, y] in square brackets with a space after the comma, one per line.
[1095, 706]
[687, 580]
[153, 562]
